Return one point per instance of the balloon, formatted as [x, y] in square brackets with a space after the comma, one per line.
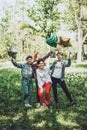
[52, 41]
[65, 42]
[12, 52]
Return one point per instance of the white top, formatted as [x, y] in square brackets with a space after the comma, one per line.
[57, 70]
[43, 76]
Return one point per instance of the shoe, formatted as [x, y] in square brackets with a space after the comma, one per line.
[28, 105]
[73, 104]
[44, 105]
[38, 105]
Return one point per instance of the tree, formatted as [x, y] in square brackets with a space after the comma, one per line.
[5, 38]
[45, 16]
[74, 17]
[11, 28]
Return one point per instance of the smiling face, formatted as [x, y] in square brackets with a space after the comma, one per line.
[29, 60]
[41, 65]
[60, 57]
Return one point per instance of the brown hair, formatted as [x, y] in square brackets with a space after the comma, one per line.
[28, 57]
[38, 62]
[59, 53]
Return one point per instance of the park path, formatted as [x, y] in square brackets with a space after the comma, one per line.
[9, 65]
[6, 65]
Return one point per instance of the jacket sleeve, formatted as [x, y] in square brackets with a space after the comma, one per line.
[67, 64]
[52, 66]
[47, 55]
[18, 65]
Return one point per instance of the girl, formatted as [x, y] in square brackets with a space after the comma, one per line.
[37, 56]
[44, 82]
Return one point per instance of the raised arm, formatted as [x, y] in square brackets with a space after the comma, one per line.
[67, 64]
[18, 65]
[47, 55]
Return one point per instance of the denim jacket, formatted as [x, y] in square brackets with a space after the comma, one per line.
[26, 69]
[64, 64]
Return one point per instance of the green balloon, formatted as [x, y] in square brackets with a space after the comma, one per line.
[52, 41]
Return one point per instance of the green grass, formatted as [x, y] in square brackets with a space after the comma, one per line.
[84, 65]
[14, 116]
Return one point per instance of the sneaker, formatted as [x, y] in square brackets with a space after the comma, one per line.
[73, 104]
[38, 105]
[28, 105]
[44, 104]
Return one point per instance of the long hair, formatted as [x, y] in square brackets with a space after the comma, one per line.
[35, 56]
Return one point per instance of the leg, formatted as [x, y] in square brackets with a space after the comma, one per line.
[38, 99]
[66, 91]
[48, 85]
[54, 87]
[43, 101]
[25, 91]
[30, 86]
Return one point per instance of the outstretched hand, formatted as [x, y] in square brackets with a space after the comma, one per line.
[62, 45]
[70, 54]
[12, 59]
[42, 90]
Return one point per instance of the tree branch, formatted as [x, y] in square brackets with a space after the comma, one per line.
[76, 19]
[84, 38]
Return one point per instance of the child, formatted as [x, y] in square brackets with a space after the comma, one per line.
[37, 56]
[27, 74]
[44, 82]
[58, 72]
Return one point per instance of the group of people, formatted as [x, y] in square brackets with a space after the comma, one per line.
[45, 77]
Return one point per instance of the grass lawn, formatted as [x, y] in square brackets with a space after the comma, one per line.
[14, 116]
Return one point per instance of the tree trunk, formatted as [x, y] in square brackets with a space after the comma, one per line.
[80, 35]
[22, 50]
[80, 42]
[79, 53]
[22, 47]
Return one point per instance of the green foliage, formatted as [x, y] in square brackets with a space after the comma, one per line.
[24, 23]
[45, 15]
[6, 37]
[72, 13]
[81, 65]
[14, 116]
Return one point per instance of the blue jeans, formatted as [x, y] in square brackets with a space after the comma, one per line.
[27, 89]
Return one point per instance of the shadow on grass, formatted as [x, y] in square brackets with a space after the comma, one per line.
[14, 116]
